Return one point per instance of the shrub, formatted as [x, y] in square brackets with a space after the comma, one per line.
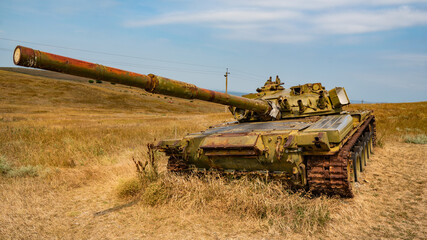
[155, 193]
[25, 171]
[5, 168]
[91, 81]
[129, 188]
[416, 139]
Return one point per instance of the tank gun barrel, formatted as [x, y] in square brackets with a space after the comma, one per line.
[28, 57]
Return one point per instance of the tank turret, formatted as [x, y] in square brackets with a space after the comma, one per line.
[272, 102]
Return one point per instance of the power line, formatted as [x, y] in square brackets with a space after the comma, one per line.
[110, 54]
[248, 77]
[241, 73]
[114, 62]
[249, 74]
[5, 49]
[157, 67]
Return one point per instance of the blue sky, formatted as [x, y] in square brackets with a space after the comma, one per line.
[377, 50]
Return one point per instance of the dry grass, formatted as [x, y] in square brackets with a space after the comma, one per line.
[396, 121]
[267, 204]
[81, 138]
[61, 123]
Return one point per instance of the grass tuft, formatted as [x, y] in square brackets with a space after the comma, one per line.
[415, 139]
[24, 171]
[5, 167]
[129, 188]
[156, 193]
[145, 182]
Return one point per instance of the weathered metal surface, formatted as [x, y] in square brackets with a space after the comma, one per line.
[287, 125]
[337, 127]
[313, 141]
[230, 142]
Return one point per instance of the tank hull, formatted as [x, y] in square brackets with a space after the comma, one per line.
[321, 153]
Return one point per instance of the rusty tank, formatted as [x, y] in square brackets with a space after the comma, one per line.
[300, 134]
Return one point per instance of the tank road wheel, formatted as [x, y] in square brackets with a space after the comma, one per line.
[368, 151]
[357, 166]
[358, 158]
[363, 158]
[351, 179]
[351, 176]
[371, 144]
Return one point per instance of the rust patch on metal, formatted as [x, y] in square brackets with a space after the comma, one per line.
[289, 141]
[212, 93]
[230, 152]
[278, 149]
[152, 84]
[236, 134]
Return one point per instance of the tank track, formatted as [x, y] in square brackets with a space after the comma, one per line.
[177, 165]
[334, 175]
[328, 175]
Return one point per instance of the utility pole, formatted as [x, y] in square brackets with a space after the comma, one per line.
[226, 80]
[226, 86]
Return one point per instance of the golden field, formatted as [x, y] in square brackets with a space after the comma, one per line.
[66, 150]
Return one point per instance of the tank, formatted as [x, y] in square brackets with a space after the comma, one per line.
[300, 135]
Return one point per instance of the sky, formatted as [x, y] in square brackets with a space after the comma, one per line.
[377, 50]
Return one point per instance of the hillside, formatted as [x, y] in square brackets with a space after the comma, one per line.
[40, 88]
[67, 148]
[43, 73]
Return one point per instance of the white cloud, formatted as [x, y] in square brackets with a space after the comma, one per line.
[372, 21]
[216, 17]
[295, 21]
[64, 7]
[408, 59]
[318, 4]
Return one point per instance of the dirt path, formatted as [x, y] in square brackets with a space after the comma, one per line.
[391, 203]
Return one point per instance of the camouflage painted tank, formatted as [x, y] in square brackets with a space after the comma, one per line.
[300, 134]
